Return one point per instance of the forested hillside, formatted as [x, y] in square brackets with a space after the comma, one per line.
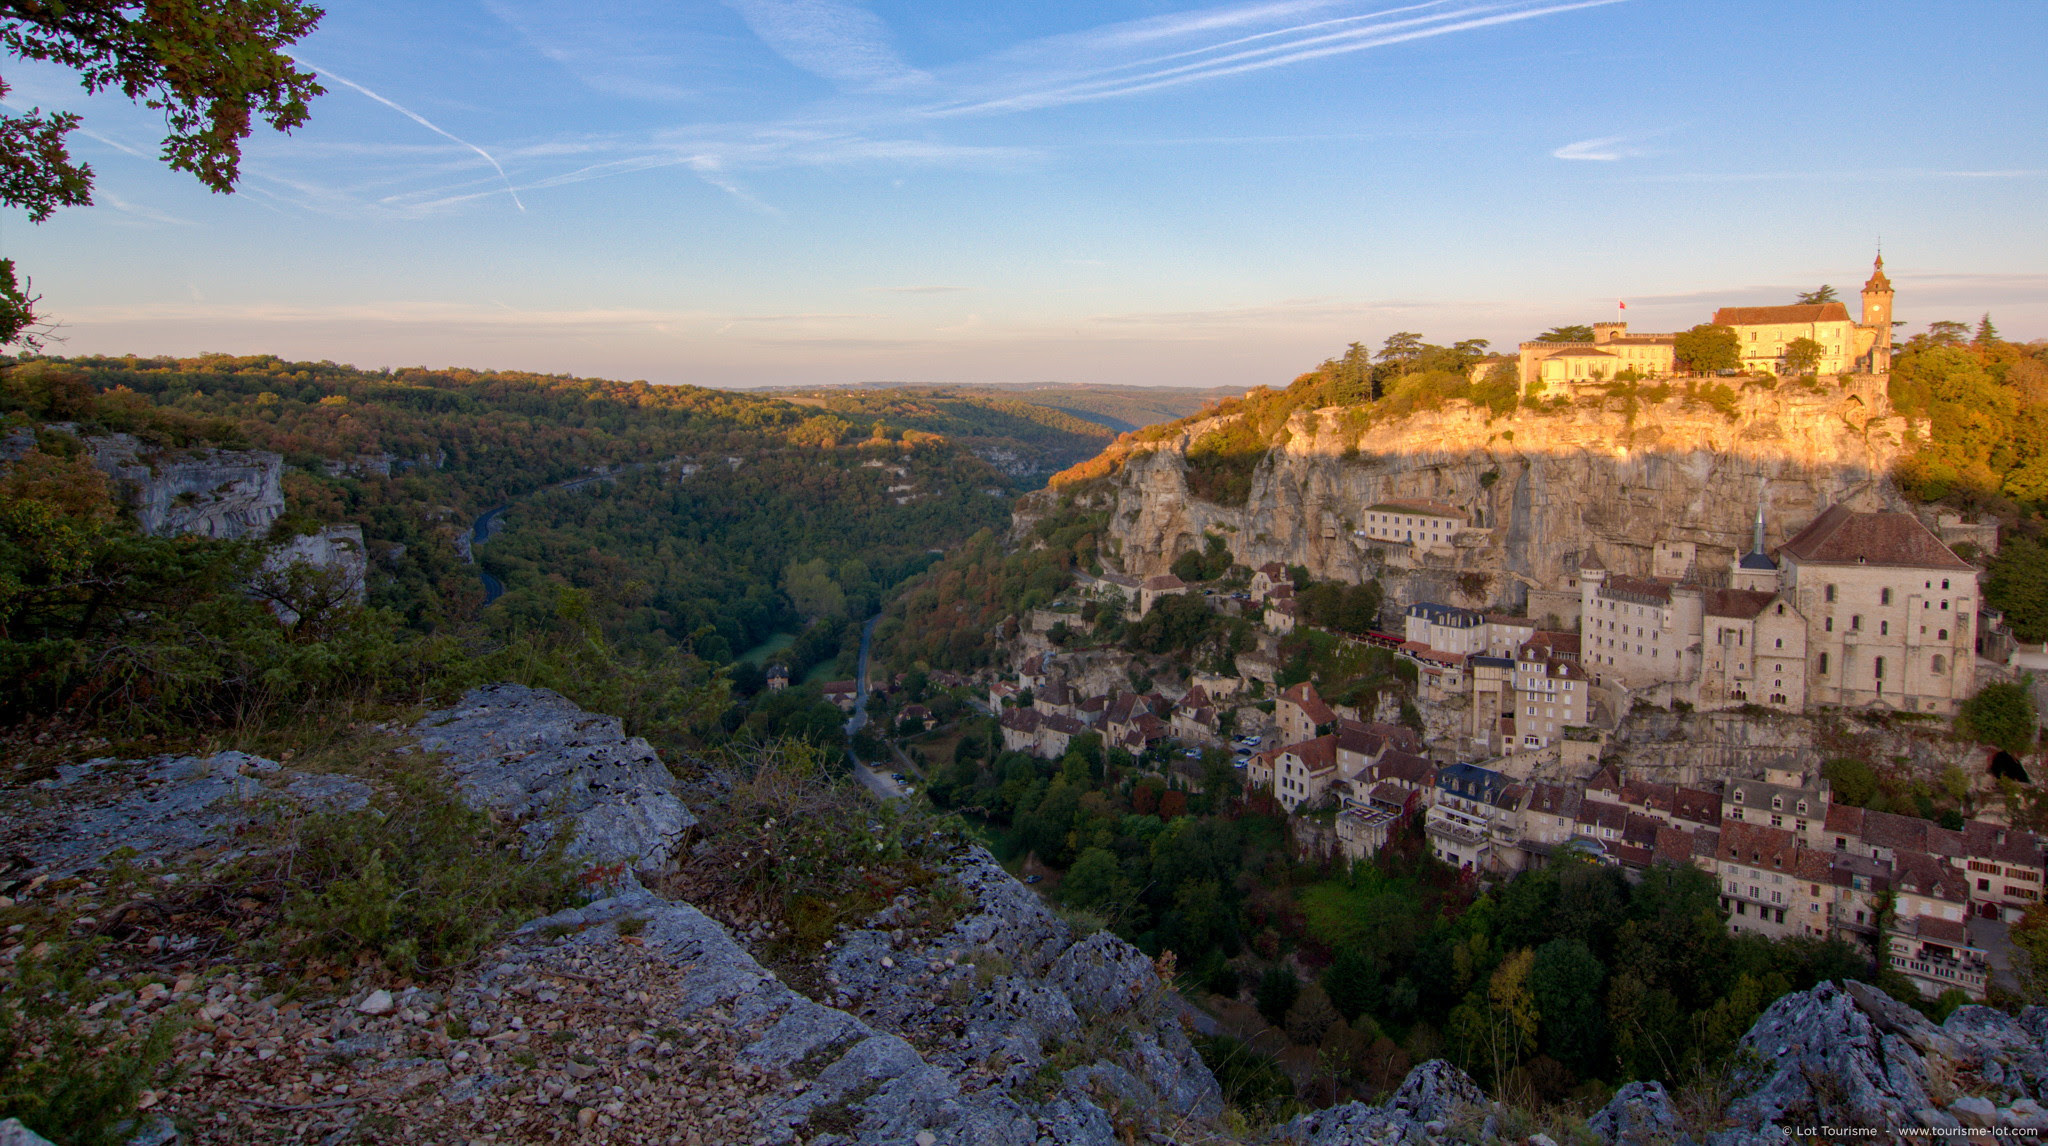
[651, 535]
[1029, 432]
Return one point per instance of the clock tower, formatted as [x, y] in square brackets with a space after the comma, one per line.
[1877, 319]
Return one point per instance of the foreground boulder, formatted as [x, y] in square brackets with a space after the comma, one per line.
[532, 755]
[1852, 1055]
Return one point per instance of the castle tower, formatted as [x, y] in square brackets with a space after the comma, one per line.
[1877, 319]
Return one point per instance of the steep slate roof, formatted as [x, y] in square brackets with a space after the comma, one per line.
[1564, 646]
[1841, 536]
[1623, 585]
[1774, 315]
[1641, 830]
[1650, 794]
[1742, 604]
[1450, 615]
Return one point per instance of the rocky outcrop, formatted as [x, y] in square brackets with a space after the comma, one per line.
[335, 551]
[1852, 1055]
[161, 809]
[1541, 488]
[212, 493]
[531, 755]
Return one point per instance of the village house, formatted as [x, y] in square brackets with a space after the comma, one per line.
[1638, 631]
[842, 693]
[1930, 940]
[1195, 718]
[1281, 615]
[1783, 798]
[1269, 577]
[778, 678]
[1446, 628]
[1421, 524]
[1551, 695]
[1758, 869]
[1890, 611]
[2005, 868]
[1301, 714]
[1461, 815]
[1303, 773]
[1157, 587]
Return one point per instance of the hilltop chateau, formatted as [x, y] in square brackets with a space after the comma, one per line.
[1640, 589]
[1762, 333]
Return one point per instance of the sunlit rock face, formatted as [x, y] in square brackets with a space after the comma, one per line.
[212, 493]
[1539, 490]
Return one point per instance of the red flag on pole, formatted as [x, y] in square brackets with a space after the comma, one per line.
[1621, 305]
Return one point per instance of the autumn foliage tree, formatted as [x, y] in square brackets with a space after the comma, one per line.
[212, 67]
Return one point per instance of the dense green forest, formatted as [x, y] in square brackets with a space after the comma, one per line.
[1557, 984]
[713, 521]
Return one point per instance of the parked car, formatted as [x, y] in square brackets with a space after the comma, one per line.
[1030, 879]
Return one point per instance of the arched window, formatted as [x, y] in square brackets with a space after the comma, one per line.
[1830, 593]
[1781, 642]
[1884, 596]
[1940, 664]
[1823, 667]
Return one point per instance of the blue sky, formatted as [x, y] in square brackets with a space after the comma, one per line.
[824, 191]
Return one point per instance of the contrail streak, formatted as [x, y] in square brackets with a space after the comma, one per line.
[423, 122]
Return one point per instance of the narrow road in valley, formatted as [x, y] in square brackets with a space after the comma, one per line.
[873, 779]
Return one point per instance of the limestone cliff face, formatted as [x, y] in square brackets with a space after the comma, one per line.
[1543, 488]
[213, 493]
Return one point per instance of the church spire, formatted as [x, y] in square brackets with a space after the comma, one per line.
[1878, 281]
[1756, 544]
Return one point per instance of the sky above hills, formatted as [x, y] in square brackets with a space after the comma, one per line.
[809, 192]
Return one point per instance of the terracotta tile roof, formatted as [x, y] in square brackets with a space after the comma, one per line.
[1899, 833]
[1741, 603]
[1304, 697]
[1164, 582]
[1353, 738]
[1318, 755]
[1392, 794]
[1650, 794]
[1062, 723]
[1696, 806]
[1921, 874]
[1841, 536]
[1942, 931]
[1606, 781]
[1604, 815]
[1564, 646]
[1756, 845]
[1641, 830]
[2006, 845]
[1405, 767]
[1023, 719]
[1706, 843]
[1777, 315]
[1273, 570]
[1632, 855]
[1845, 820]
[1674, 845]
[1555, 800]
[1814, 866]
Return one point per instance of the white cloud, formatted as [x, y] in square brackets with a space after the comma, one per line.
[834, 39]
[1606, 149]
